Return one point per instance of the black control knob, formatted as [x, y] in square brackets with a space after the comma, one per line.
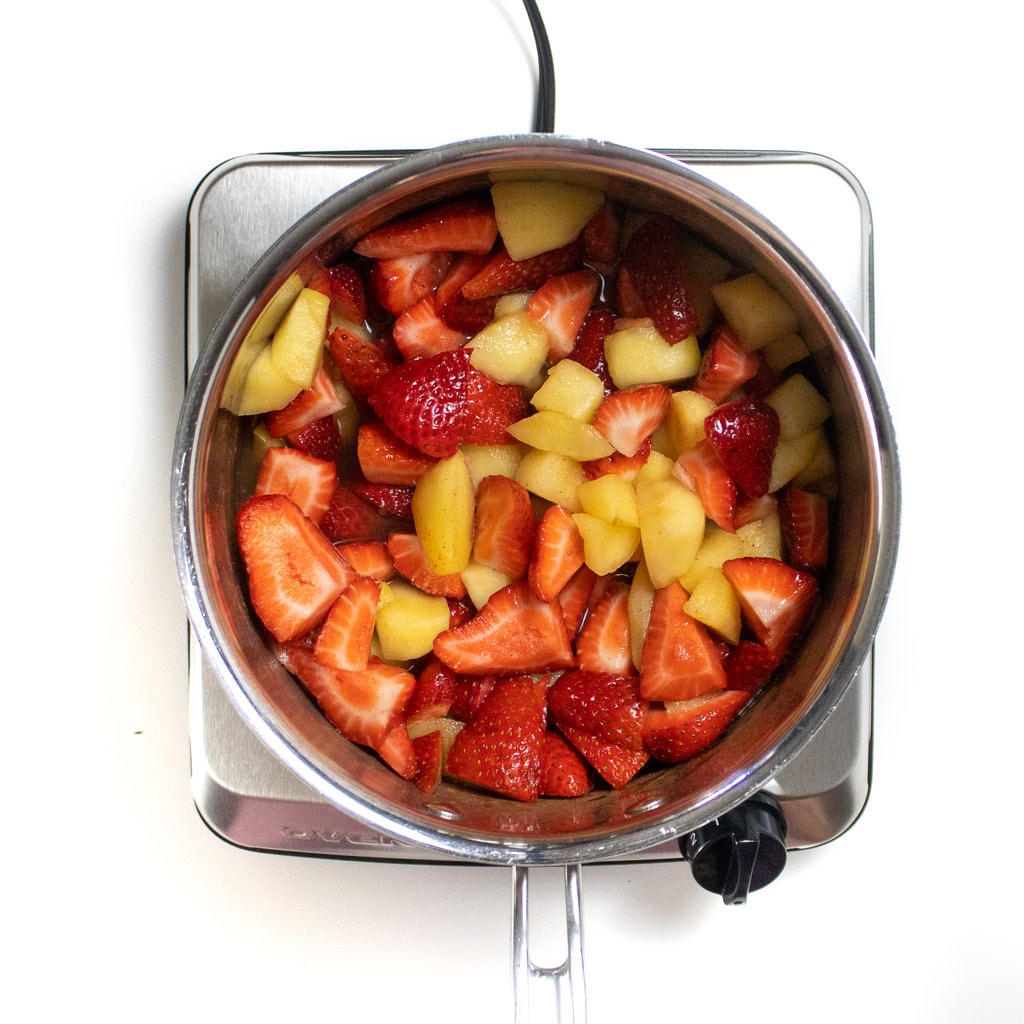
[740, 852]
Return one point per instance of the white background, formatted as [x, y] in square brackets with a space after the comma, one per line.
[116, 896]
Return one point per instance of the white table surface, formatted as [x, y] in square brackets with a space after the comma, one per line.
[116, 898]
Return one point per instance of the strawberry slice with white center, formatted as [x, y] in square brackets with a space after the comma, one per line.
[628, 418]
[744, 433]
[704, 473]
[681, 730]
[344, 639]
[320, 399]
[504, 526]
[363, 706]
[502, 274]
[361, 362]
[604, 641]
[514, 632]
[679, 659]
[419, 331]
[804, 519]
[459, 225]
[725, 366]
[557, 553]
[561, 305]
[401, 281]
[345, 288]
[294, 572]
[310, 482]
[410, 560]
[775, 599]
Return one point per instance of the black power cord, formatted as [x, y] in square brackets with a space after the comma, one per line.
[544, 114]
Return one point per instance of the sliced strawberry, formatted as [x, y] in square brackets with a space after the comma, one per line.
[429, 752]
[406, 550]
[398, 752]
[361, 362]
[470, 693]
[424, 401]
[628, 418]
[467, 315]
[607, 706]
[434, 693]
[775, 599]
[626, 466]
[575, 596]
[557, 552]
[503, 526]
[750, 510]
[743, 433]
[679, 659]
[460, 611]
[400, 282]
[604, 641]
[364, 706]
[502, 274]
[748, 666]
[627, 299]
[346, 634]
[420, 331]
[614, 763]
[703, 472]
[675, 733]
[601, 234]
[515, 631]
[394, 500]
[321, 439]
[346, 290]
[308, 481]
[725, 365]
[803, 516]
[561, 304]
[564, 772]
[386, 459]
[318, 400]
[491, 408]
[349, 518]
[500, 749]
[589, 348]
[368, 558]
[458, 225]
[294, 572]
[654, 261]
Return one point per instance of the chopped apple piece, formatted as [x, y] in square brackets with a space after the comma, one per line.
[554, 432]
[611, 498]
[537, 216]
[801, 407]
[492, 460]
[820, 474]
[638, 354]
[638, 608]
[713, 601]
[449, 728]
[571, 389]
[482, 581]
[755, 311]
[511, 349]
[606, 546]
[408, 620]
[442, 512]
[762, 538]
[658, 466]
[551, 476]
[297, 346]
[672, 524]
[265, 390]
[717, 547]
[792, 454]
[785, 351]
[685, 421]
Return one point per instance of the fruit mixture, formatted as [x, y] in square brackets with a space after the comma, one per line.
[543, 489]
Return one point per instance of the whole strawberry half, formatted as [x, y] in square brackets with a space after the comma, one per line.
[423, 401]
[744, 433]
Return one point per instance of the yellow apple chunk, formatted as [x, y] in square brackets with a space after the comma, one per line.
[606, 546]
[821, 473]
[551, 476]
[265, 389]
[755, 311]
[611, 498]
[449, 728]
[672, 524]
[511, 349]
[482, 581]
[408, 621]
[297, 346]
[762, 538]
[640, 355]
[553, 432]
[717, 547]
[492, 460]
[256, 341]
[658, 466]
[800, 406]
[537, 216]
[571, 389]
[638, 609]
[685, 421]
[713, 601]
[442, 512]
[792, 454]
[785, 351]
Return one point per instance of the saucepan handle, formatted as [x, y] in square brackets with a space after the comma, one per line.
[562, 987]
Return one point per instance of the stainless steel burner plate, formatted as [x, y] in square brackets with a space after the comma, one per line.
[241, 791]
